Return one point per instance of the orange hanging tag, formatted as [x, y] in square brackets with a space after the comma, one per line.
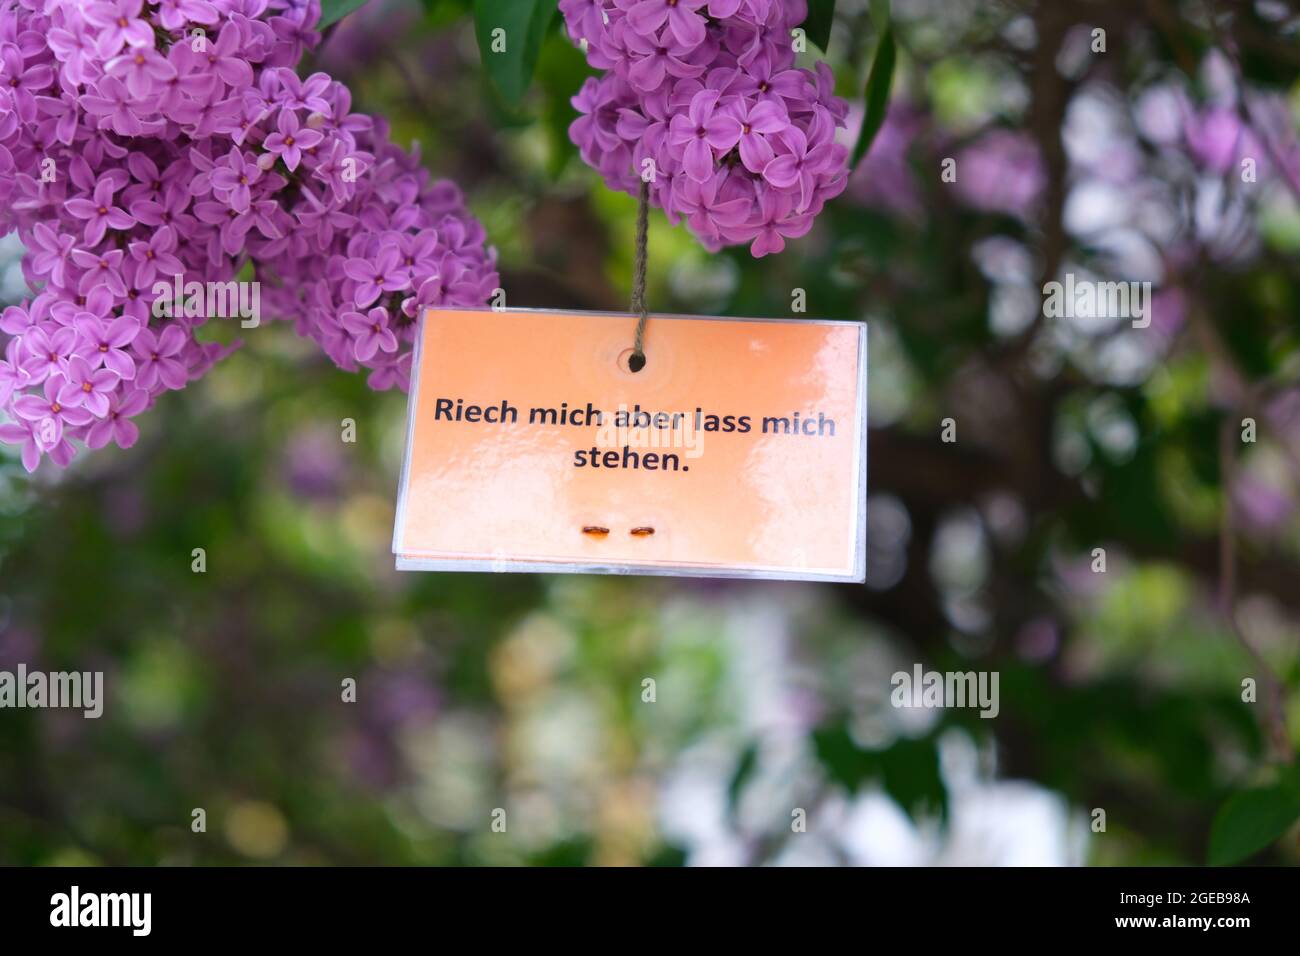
[738, 450]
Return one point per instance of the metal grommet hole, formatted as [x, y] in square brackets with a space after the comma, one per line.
[630, 360]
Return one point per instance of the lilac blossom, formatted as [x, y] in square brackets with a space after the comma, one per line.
[700, 132]
[119, 23]
[50, 252]
[705, 95]
[23, 433]
[99, 212]
[116, 424]
[103, 268]
[88, 387]
[183, 156]
[105, 342]
[48, 413]
[47, 348]
[232, 181]
[116, 108]
[289, 140]
[156, 256]
[12, 374]
[798, 165]
[175, 14]
[160, 358]
[142, 69]
[22, 81]
[758, 121]
[370, 333]
[374, 277]
[646, 17]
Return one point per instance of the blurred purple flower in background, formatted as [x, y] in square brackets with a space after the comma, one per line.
[1002, 171]
[395, 701]
[1217, 138]
[367, 35]
[885, 179]
[1261, 505]
[314, 466]
[17, 645]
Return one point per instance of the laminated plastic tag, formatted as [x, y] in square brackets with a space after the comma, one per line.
[738, 450]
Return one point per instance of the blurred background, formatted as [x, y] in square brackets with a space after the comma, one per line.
[1121, 690]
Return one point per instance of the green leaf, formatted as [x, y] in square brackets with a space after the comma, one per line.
[331, 11]
[821, 13]
[1251, 820]
[907, 769]
[744, 770]
[879, 82]
[561, 69]
[845, 763]
[510, 34]
[880, 15]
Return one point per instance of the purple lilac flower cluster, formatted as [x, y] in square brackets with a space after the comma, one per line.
[147, 144]
[741, 141]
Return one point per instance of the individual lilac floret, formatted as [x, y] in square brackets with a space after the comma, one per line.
[289, 140]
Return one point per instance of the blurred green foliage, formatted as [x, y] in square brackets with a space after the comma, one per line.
[1121, 691]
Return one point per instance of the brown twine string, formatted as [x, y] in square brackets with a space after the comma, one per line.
[636, 361]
